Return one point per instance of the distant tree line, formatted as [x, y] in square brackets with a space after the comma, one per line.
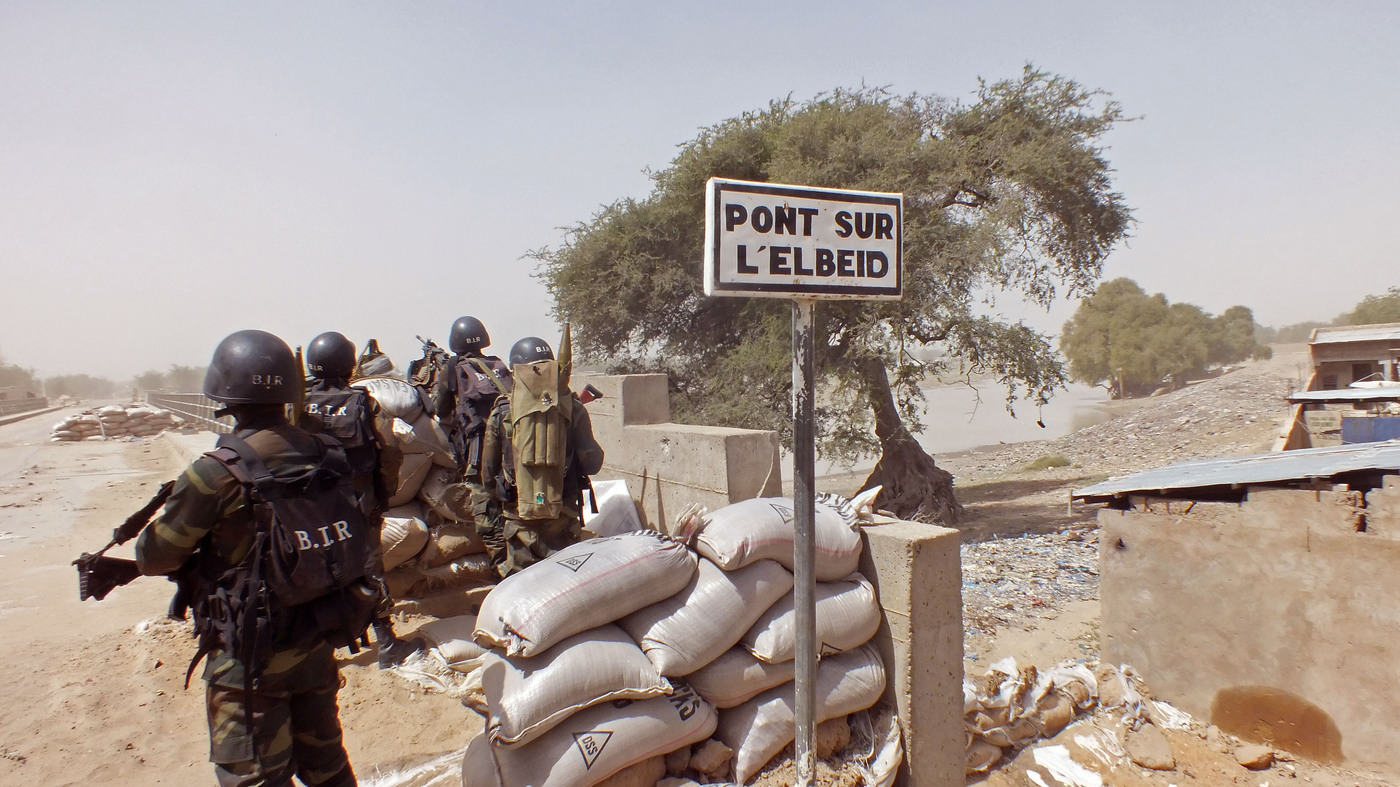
[178, 378]
[1371, 310]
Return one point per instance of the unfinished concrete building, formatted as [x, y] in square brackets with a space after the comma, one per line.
[1346, 354]
[1261, 593]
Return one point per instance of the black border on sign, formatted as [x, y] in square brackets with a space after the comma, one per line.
[722, 185]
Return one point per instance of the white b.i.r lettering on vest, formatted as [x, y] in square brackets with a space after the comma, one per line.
[342, 533]
[313, 408]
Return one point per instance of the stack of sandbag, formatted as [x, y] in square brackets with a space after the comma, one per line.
[1011, 708]
[750, 682]
[115, 420]
[414, 442]
[425, 553]
[429, 528]
[569, 697]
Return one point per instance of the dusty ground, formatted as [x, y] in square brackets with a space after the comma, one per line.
[95, 690]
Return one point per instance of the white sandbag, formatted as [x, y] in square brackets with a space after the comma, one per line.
[617, 512]
[527, 697]
[581, 587]
[404, 534]
[397, 398]
[374, 367]
[760, 728]
[595, 743]
[763, 528]
[847, 616]
[422, 435]
[449, 541]
[412, 580]
[692, 628]
[444, 492]
[451, 640]
[737, 677]
[411, 472]
[479, 764]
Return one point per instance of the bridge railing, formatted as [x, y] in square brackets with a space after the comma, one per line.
[12, 406]
[196, 409]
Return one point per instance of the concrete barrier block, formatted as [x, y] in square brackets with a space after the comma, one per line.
[917, 572]
[669, 466]
[629, 399]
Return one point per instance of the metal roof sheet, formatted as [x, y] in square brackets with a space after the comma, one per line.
[1335, 334]
[1346, 395]
[1236, 472]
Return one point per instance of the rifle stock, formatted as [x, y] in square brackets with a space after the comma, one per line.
[98, 574]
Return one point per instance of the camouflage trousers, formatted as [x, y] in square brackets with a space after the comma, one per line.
[513, 543]
[292, 727]
[532, 540]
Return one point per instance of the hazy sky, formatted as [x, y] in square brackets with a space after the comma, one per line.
[173, 171]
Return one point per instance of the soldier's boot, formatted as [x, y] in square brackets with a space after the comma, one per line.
[392, 649]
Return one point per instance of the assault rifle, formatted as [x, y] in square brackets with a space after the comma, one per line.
[424, 371]
[99, 574]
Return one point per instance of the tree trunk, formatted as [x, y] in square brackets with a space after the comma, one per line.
[914, 488]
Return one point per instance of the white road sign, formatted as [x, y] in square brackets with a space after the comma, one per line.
[777, 241]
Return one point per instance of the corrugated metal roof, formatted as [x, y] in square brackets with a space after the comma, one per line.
[1356, 333]
[1206, 477]
[1346, 395]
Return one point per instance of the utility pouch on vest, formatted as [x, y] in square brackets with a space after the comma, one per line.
[540, 412]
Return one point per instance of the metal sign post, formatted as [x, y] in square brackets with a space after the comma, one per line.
[804, 541]
[805, 244]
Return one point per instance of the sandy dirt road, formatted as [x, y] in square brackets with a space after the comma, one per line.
[94, 691]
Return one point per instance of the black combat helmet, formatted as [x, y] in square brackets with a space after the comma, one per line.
[252, 367]
[468, 336]
[330, 356]
[529, 350]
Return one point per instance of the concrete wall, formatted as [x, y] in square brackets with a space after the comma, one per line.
[668, 466]
[917, 572]
[1277, 619]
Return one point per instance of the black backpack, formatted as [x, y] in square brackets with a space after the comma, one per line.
[344, 413]
[304, 578]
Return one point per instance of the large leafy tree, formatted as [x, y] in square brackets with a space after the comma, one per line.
[1131, 342]
[1009, 195]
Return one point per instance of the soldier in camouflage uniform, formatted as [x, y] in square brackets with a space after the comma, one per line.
[286, 723]
[462, 401]
[526, 539]
[334, 407]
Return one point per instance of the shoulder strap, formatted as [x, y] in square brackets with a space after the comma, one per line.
[249, 467]
[490, 371]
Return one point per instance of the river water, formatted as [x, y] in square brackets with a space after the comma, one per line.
[955, 419]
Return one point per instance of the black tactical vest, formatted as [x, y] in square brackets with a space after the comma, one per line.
[344, 413]
[478, 382]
